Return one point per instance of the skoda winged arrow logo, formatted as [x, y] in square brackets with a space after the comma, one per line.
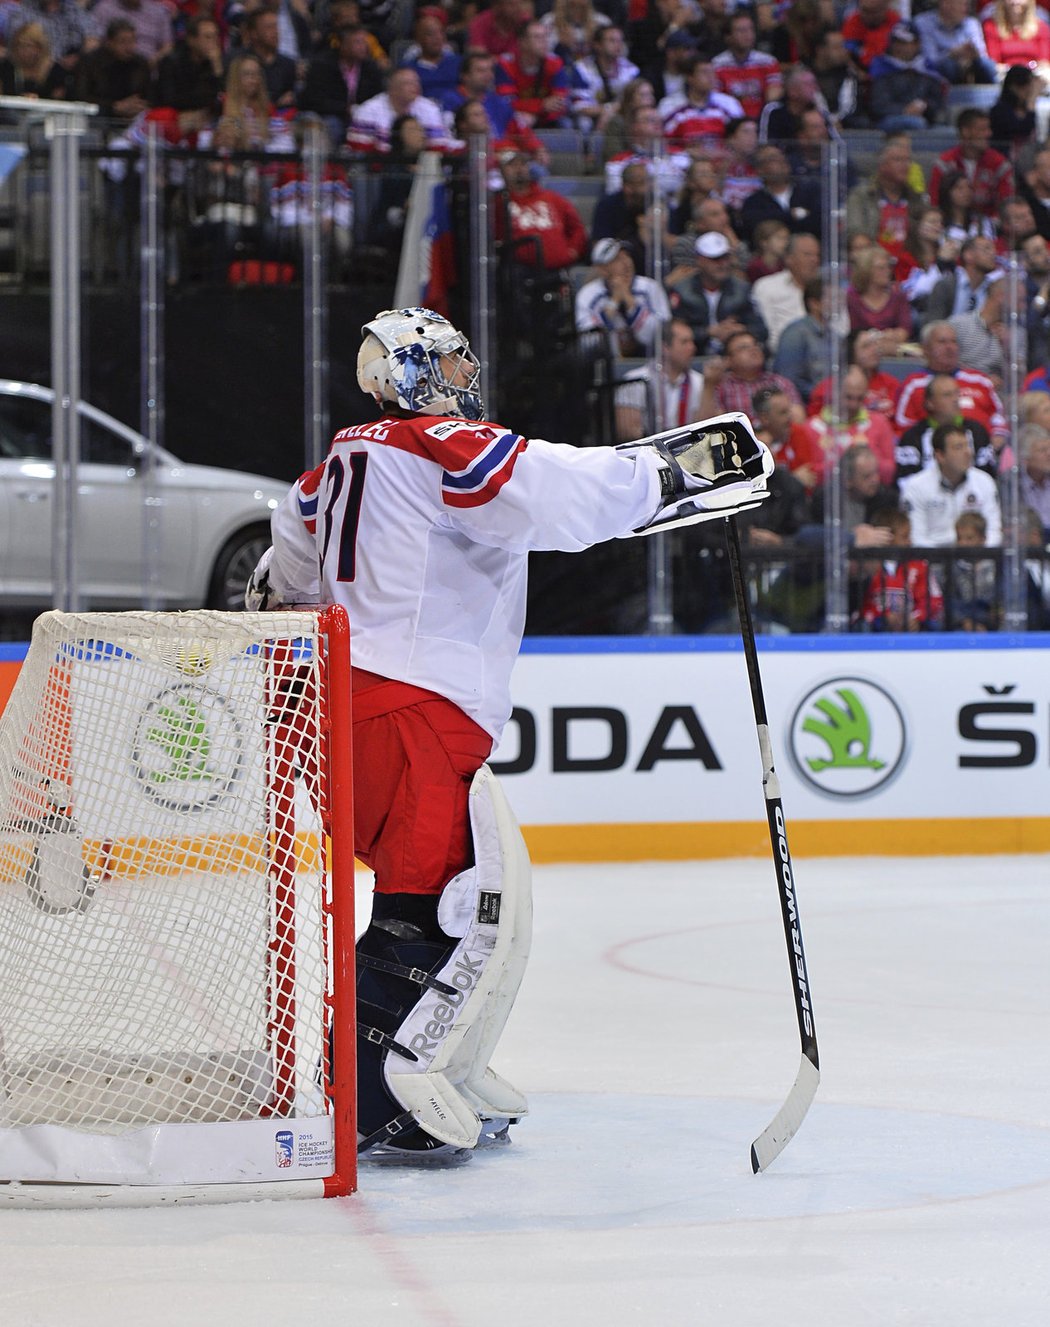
[848, 738]
[187, 750]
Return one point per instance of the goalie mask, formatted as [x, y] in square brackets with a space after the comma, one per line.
[416, 359]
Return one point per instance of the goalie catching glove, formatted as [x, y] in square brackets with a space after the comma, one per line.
[715, 467]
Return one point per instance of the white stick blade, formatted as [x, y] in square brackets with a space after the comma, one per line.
[775, 1137]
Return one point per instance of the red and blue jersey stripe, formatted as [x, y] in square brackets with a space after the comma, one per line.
[483, 478]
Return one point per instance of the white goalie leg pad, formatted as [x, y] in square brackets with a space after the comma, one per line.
[489, 908]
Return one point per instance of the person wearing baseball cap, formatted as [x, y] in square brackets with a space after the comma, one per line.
[905, 93]
[713, 300]
[628, 307]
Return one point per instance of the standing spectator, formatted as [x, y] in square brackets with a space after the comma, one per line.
[883, 389]
[715, 303]
[966, 287]
[1034, 450]
[71, 31]
[857, 425]
[978, 398]
[901, 596]
[798, 203]
[952, 43]
[629, 307]
[545, 230]
[431, 56]
[915, 445]
[867, 31]
[190, 79]
[875, 301]
[884, 206]
[28, 69]
[746, 374]
[340, 78]
[600, 78]
[114, 77]
[496, 28]
[260, 34]
[1016, 36]
[779, 298]
[665, 393]
[1013, 115]
[749, 75]
[988, 171]
[701, 114]
[150, 19]
[371, 121]
[536, 82]
[802, 350]
[905, 94]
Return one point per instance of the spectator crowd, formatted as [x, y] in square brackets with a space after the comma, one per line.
[705, 258]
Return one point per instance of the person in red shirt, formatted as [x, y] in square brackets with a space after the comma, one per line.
[883, 388]
[751, 76]
[791, 444]
[545, 227]
[978, 398]
[1016, 34]
[496, 29]
[867, 30]
[989, 172]
[536, 82]
[901, 596]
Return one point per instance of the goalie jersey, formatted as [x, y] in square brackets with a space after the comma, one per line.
[421, 526]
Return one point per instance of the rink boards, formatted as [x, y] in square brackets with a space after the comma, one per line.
[636, 748]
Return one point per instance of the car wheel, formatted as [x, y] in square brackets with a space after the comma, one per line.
[233, 566]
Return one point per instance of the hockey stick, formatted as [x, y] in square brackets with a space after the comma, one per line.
[776, 1136]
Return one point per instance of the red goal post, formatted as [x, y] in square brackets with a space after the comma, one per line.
[177, 910]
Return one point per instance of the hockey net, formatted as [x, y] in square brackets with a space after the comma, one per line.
[176, 907]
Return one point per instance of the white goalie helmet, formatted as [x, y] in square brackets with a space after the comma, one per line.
[416, 359]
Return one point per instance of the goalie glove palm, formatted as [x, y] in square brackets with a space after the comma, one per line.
[713, 468]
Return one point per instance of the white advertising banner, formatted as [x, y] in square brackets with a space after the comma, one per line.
[661, 732]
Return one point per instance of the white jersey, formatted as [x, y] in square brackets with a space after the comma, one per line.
[421, 527]
[934, 507]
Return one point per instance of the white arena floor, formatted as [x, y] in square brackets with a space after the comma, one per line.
[656, 1036]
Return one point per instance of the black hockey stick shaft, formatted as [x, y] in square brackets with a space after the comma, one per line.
[775, 817]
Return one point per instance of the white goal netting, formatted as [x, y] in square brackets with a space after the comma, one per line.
[164, 900]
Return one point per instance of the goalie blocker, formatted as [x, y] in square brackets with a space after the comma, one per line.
[709, 469]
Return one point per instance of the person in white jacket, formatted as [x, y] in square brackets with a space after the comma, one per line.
[937, 496]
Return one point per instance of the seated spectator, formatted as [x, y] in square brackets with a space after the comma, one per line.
[927, 256]
[1014, 225]
[247, 105]
[739, 176]
[974, 600]
[477, 82]
[629, 307]
[952, 43]
[802, 350]
[857, 425]
[988, 171]
[668, 392]
[743, 72]
[600, 78]
[28, 69]
[808, 151]
[769, 242]
[905, 94]
[875, 301]
[914, 450]
[779, 298]
[837, 80]
[966, 286]
[962, 220]
[190, 78]
[883, 207]
[150, 20]
[645, 142]
[114, 77]
[386, 225]
[746, 373]
[1012, 118]
[1037, 572]
[792, 445]
[71, 31]
[496, 29]
[261, 37]
[978, 398]
[715, 303]
[866, 32]
[619, 214]
[573, 27]
[880, 397]
[1035, 256]
[1033, 185]
[536, 82]
[863, 495]
[1034, 450]
[982, 332]
[291, 201]
[709, 214]
[798, 203]
[938, 495]
[539, 227]
[667, 73]
[901, 596]
[224, 202]
[340, 78]
[638, 93]
[700, 115]
[781, 120]
[795, 38]
[371, 121]
[431, 56]
[699, 185]
[1016, 36]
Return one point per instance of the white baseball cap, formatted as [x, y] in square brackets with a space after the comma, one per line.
[712, 244]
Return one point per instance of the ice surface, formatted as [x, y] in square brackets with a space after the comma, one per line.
[656, 1036]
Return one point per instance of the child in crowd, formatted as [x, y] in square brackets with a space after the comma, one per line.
[901, 596]
[973, 601]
